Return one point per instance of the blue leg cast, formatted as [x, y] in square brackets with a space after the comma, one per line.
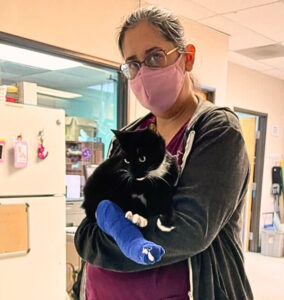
[111, 219]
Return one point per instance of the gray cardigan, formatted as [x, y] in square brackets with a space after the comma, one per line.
[207, 203]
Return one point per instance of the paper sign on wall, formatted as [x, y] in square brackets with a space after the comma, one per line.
[21, 153]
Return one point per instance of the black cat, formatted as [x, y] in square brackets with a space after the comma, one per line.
[140, 179]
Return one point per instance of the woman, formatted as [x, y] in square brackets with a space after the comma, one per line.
[203, 258]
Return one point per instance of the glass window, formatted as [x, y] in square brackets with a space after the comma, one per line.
[82, 90]
[90, 93]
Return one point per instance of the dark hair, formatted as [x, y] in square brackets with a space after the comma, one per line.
[168, 25]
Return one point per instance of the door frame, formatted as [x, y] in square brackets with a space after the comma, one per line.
[210, 92]
[254, 238]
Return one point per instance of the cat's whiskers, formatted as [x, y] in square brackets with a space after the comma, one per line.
[155, 177]
[130, 179]
[159, 172]
[121, 171]
[126, 177]
[151, 179]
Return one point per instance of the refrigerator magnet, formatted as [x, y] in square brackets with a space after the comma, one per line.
[21, 153]
[2, 150]
[41, 151]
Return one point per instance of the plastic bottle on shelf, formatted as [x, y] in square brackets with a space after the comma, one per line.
[12, 94]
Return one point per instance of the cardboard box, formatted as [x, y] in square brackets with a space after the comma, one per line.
[74, 125]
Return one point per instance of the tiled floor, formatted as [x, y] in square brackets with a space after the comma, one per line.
[266, 275]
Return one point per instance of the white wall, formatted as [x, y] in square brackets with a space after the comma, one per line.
[87, 26]
[211, 56]
[255, 91]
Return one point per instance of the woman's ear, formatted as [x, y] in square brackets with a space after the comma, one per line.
[189, 57]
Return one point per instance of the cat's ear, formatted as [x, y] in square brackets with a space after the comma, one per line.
[117, 133]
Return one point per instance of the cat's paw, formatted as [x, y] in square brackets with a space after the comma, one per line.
[139, 220]
[129, 215]
[151, 253]
[147, 252]
[136, 219]
[164, 228]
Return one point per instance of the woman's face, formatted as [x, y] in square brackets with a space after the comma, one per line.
[141, 39]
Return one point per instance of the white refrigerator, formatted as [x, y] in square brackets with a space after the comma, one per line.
[40, 272]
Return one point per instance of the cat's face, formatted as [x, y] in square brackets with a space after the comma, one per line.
[142, 151]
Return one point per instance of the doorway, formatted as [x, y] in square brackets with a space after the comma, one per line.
[253, 125]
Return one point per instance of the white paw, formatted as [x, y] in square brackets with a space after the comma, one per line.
[144, 222]
[129, 215]
[136, 219]
[149, 254]
[139, 220]
[164, 228]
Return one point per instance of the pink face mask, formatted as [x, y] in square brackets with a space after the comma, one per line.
[158, 89]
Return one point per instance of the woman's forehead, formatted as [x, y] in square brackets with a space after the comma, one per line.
[141, 38]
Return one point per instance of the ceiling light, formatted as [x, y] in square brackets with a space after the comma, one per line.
[263, 52]
[56, 93]
[95, 68]
[35, 59]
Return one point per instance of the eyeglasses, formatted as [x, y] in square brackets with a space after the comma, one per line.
[154, 59]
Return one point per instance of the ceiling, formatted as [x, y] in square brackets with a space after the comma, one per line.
[255, 27]
[82, 79]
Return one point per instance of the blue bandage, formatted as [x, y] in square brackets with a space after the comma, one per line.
[111, 219]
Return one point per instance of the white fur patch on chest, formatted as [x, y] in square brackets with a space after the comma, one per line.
[161, 170]
[141, 198]
[164, 228]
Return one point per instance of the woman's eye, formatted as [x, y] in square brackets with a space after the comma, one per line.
[126, 161]
[156, 59]
[133, 66]
[142, 158]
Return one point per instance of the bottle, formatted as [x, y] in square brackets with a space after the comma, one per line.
[12, 94]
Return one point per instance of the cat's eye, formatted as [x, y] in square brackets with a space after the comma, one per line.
[142, 158]
[126, 161]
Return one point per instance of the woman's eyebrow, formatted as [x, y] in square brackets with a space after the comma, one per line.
[134, 57]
